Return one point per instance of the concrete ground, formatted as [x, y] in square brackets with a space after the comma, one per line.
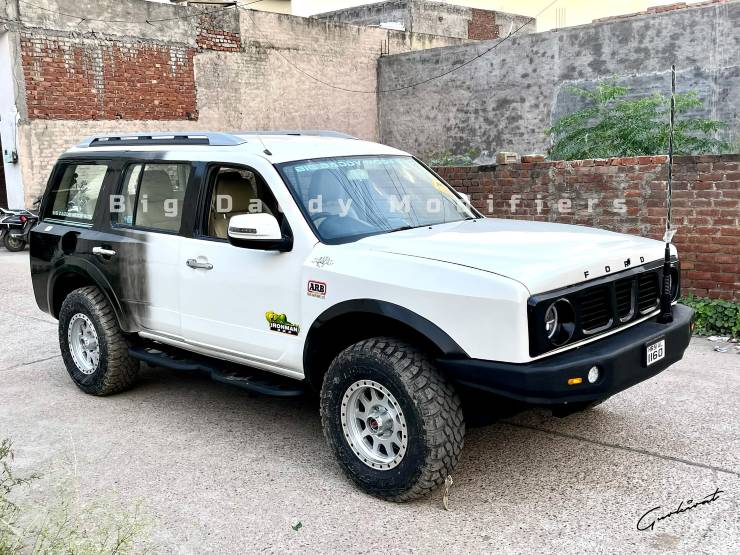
[219, 471]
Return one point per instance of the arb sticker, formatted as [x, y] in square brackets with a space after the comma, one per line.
[279, 322]
[316, 289]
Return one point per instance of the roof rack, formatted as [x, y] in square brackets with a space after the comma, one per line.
[302, 132]
[164, 138]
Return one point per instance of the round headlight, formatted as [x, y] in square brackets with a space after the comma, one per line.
[551, 320]
[560, 322]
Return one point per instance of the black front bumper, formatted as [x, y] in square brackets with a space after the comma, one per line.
[620, 358]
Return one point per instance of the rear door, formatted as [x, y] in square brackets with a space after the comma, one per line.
[145, 215]
[68, 231]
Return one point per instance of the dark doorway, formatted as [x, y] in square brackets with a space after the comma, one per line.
[3, 190]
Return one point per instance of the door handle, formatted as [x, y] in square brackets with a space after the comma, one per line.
[193, 263]
[100, 251]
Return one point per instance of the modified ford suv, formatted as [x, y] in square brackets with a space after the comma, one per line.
[291, 262]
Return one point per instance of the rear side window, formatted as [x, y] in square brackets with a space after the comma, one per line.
[75, 195]
[152, 196]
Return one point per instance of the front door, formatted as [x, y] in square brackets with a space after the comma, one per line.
[237, 302]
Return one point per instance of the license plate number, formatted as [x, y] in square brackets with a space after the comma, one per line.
[655, 352]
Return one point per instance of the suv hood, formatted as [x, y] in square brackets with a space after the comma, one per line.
[541, 256]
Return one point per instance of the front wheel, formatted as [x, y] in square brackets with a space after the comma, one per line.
[392, 420]
[13, 243]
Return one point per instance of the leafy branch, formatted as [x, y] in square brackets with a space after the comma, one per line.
[612, 125]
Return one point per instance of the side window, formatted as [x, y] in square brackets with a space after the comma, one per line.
[152, 196]
[75, 195]
[236, 191]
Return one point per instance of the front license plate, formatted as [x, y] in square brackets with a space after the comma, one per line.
[654, 352]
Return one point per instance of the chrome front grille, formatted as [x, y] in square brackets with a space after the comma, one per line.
[648, 289]
[595, 309]
[603, 306]
[625, 293]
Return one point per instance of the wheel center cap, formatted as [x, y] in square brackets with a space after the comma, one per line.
[379, 421]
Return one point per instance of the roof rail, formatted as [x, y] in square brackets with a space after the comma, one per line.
[164, 138]
[300, 132]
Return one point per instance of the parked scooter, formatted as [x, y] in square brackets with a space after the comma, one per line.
[16, 225]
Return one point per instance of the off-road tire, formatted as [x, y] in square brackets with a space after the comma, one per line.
[12, 244]
[116, 370]
[431, 407]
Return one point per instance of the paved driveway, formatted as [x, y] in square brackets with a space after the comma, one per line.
[220, 471]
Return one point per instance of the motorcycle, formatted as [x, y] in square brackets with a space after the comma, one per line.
[15, 227]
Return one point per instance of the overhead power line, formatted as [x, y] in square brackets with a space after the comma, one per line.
[243, 7]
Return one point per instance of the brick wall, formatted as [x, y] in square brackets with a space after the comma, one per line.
[228, 70]
[212, 36]
[482, 25]
[83, 79]
[628, 195]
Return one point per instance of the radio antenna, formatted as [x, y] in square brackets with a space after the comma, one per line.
[666, 312]
[267, 150]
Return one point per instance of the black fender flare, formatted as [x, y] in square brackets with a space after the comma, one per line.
[86, 269]
[433, 333]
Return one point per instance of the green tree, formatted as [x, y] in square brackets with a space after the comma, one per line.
[612, 125]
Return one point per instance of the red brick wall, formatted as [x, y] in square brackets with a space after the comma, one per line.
[69, 78]
[211, 37]
[706, 205]
[482, 25]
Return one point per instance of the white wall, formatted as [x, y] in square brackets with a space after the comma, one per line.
[8, 118]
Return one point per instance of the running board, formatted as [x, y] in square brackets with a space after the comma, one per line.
[255, 381]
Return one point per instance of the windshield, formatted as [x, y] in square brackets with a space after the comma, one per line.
[364, 195]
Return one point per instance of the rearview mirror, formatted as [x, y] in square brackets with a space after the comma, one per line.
[258, 231]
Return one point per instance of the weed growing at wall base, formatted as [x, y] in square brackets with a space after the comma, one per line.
[449, 159]
[715, 316]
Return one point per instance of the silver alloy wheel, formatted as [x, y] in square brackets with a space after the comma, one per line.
[83, 343]
[374, 425]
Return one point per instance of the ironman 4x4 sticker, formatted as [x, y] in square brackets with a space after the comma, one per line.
[279, 322]
[316, 289]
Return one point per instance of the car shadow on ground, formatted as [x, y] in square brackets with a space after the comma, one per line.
[493, 447]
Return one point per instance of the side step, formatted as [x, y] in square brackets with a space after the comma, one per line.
[255, 381]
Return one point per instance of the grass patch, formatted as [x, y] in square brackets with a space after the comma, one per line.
[715, 316]
[66, 525]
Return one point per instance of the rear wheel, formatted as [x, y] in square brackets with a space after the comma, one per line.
[392, 420]
[94, 349]
[13, 243]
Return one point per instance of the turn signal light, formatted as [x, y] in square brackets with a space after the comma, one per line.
[574, 381]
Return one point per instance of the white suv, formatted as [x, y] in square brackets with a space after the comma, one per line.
[311, 261]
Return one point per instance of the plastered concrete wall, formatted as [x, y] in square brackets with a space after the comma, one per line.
[394, 11]
[508, 97]
[262, 89]
[231, 70]
[437, 18]
[440, 18]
